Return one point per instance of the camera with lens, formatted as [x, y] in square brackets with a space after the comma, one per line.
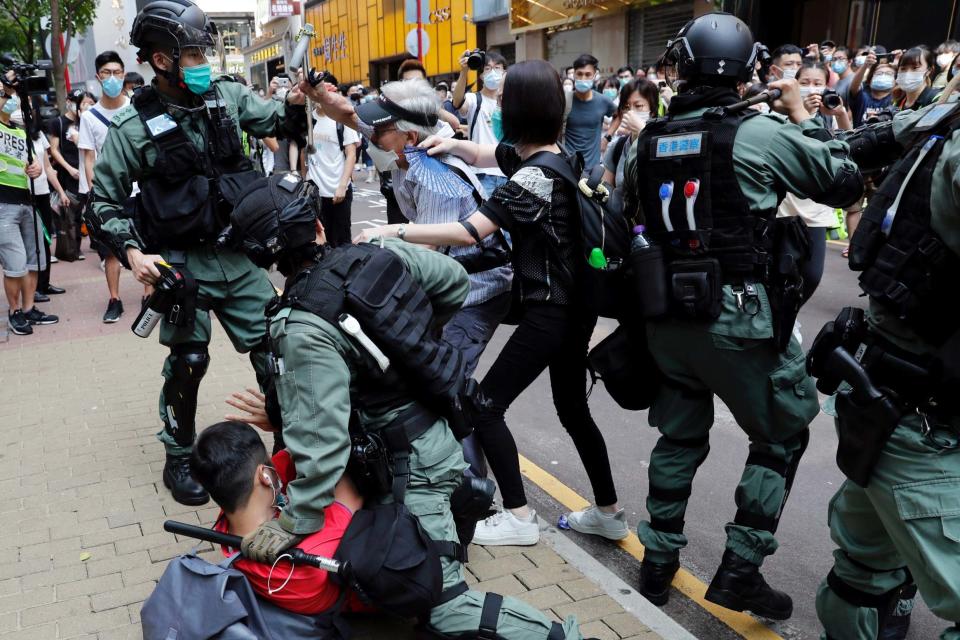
[884, 115]
[476, 59]
[831, 99]
[26, 82]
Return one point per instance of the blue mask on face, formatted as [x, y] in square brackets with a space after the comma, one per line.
[839, 66]
[583, 86]
[610, 93]
[882, 83]
[11, 105]
[112, 86]
[197, 78]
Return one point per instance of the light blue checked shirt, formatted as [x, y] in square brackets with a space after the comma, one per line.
[424, 206]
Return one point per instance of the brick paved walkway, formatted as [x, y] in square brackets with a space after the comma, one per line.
[82, 503]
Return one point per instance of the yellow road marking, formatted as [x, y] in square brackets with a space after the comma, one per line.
[839, 243]
[685, 582]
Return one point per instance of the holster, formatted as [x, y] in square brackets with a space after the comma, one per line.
[464, 408]
[470, 503]
[791, 251]
[183, 313]
[696, 288]
[369, 462]
[863, 429]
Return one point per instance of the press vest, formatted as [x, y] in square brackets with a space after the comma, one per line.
[675, 151]
[13, 157]
[904, 264]
[180, 203]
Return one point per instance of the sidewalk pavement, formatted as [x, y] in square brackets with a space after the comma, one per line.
[82, 503]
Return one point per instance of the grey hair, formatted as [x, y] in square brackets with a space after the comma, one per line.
[417, 96]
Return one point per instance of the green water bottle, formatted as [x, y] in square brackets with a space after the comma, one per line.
[597, 260]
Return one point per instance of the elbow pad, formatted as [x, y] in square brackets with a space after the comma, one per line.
[846, 188]
[873, 146]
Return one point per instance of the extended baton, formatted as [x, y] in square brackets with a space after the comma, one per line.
[297, 556]
[764, 96]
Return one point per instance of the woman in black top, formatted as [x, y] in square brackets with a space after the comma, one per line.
[540, 211]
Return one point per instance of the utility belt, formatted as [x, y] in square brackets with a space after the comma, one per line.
[885, 383]
[685, 279]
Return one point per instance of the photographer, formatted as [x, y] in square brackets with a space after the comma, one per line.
[871, 90]
[479, 108]
[20, 228]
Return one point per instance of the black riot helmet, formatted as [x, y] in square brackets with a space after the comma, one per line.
[274, 221]
[173, 24]
[714, 49]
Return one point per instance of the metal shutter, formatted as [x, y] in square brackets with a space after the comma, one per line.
[652, 27]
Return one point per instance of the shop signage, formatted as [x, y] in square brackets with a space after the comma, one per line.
[332, 48]
[273, 51]
[283, 8]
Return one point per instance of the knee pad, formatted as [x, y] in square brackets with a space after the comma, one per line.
[188, 365]
[884, 603]
[487, 629]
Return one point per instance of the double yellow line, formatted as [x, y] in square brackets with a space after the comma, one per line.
[685, 582]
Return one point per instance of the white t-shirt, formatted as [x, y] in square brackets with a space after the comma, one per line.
[41, 186]
[325, 164]
[483, 130]
[93, 133]
[812, 213]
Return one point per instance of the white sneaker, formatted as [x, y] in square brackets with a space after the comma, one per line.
[612, 526]
[503, 528]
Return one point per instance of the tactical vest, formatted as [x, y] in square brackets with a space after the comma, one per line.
[181, 203]
[904, 264]
[373, 285]
[672, 151]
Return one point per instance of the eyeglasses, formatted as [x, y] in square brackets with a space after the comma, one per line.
[106, 73]
[378, 133]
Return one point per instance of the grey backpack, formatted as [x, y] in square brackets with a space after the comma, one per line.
[197, 600]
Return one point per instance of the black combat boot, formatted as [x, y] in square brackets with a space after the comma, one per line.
[177, 478]
[739, 586]
[655, 579]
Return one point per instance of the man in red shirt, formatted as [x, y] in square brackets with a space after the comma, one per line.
[232, 464]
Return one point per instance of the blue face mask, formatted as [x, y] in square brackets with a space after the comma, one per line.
[496, 123]
[583, 86]
[610, 93]
[112, 86]
[839, 66]
[197, 78]
[882, 83]
[11, 105]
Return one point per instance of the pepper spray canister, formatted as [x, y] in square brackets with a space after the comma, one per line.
[160, 301]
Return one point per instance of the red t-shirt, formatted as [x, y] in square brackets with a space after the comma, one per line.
[310, 590]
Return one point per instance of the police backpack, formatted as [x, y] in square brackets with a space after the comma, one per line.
[605, 241]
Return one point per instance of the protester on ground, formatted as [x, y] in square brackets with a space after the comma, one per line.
[20, 227]
[584, 124]
[94, 124]
[480, 108]
[538, 209]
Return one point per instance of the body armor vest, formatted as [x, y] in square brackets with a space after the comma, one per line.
[685, 173]
[904, 264]
[373, 285]
[181, 203]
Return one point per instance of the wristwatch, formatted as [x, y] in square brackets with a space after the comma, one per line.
[401, 231]
[608, 137]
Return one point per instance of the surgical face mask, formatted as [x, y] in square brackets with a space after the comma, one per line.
[624, 81]
[383, 160]
[492, 79]
[790, 74]
[279, 500]
[583, 86]
[11, 105]
[882, 82]
[860, 61]
[496, 123]
[112, 86]
[642, 114]
[839, 66]
[807, 91]
[944, 60]
[763, 107]
[652, 77]
[910, 80]
[197, 78]
[610, 93]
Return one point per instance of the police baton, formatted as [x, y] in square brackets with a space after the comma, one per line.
[297, 556]
[764, 96]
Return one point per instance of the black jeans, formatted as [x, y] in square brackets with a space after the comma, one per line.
[557, 337]
[336, 219]
[46, 215]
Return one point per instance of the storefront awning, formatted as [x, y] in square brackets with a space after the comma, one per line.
[526, 15]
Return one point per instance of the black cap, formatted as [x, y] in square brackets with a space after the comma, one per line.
[828, 43]
[384, 111]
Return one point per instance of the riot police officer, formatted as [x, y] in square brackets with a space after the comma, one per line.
[354, 352]
[895, 520]
[706, 180]
[180, 141]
